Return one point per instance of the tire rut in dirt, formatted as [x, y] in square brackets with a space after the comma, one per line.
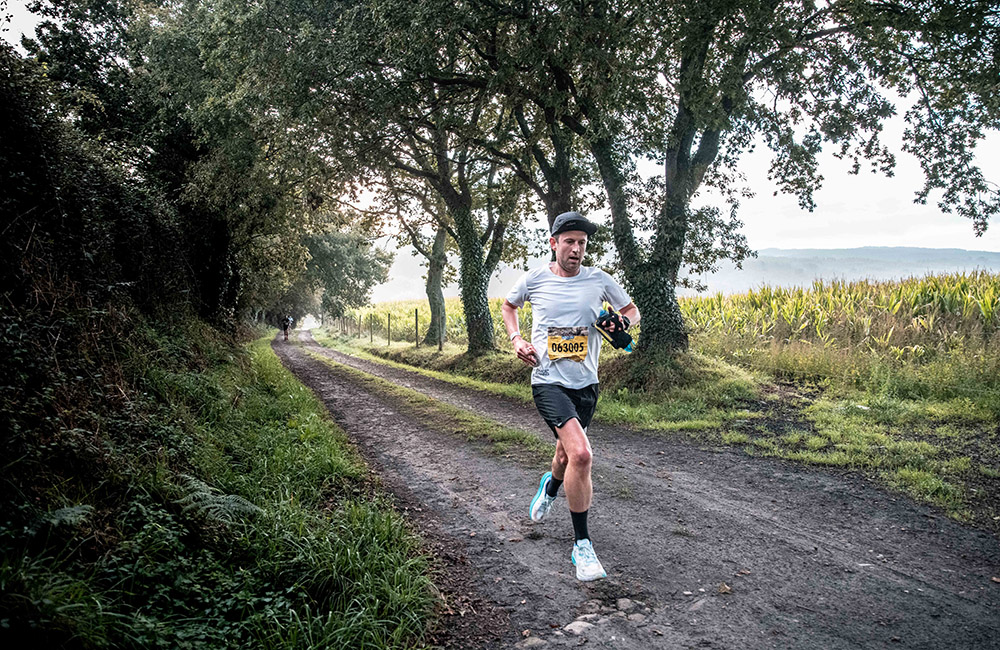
[811, 559]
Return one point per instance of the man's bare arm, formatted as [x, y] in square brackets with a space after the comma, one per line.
[631, 312]
[524, 350]
[509, 313]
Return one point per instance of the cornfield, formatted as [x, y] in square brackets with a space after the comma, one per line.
[936, 335]
[410, 318]
[903, 319]
[931, 337]
[897, 317]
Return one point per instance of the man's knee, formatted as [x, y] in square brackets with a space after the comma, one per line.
[573, 443]
[581, 457]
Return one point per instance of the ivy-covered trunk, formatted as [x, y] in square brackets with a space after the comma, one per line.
[449, 175]
[558, 175]
[651, 279]
[663, 328]
[474, 280]
[654, 284]
[437, 332]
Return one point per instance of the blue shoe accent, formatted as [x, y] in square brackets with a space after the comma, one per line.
[542, 502]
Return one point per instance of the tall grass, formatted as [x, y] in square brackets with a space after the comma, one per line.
[932, 337]
[936, 313]
[936, 336]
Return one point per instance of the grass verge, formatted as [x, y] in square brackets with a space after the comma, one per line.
[232, 513]
[695, 394]
[937, 452]
[450, 419]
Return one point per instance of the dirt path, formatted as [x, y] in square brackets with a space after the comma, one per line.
[812, 559]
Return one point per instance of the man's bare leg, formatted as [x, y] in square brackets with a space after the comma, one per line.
[579, 493]
[549, 485]
[573, 459]
[559, 462]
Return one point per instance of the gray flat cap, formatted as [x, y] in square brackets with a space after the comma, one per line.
[572, 221]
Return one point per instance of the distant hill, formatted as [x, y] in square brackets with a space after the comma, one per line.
[772, 266]
[800, 267]
[902, 253]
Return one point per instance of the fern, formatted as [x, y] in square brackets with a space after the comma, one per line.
[209, 502]
[69, 516]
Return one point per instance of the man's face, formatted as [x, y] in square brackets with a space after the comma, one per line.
[569, 247]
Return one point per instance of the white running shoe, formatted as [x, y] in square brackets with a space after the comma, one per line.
[542, 503]
[588, 567]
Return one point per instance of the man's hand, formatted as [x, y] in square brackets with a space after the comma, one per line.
[614, 322]
[525, 351]
[612, 326]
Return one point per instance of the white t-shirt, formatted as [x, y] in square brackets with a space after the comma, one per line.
[558, 304]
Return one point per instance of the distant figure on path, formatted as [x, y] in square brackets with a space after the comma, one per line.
[566, 298]
[286, 322]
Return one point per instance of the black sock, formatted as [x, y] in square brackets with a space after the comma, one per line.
[552, 489]
[580, 524]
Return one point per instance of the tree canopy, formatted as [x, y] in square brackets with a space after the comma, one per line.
[549, 90]
[697, 84]
[254, 115]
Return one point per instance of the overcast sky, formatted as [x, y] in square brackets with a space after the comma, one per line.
[851, 211]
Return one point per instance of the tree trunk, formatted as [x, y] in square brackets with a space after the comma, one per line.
[449, 176]
[651, 281]
[663, 328]
[560, 175]
[437, 332]
[654, 285]
[474, 280]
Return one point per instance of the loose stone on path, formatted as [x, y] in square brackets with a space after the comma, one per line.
[577, 628]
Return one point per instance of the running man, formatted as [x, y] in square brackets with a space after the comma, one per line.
[566, 299]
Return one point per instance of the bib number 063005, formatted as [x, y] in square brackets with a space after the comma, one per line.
[568, 343]
[569, 346]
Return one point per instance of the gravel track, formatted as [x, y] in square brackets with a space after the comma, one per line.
[809, 558]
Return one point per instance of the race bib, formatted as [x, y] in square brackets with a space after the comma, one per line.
[568, 343]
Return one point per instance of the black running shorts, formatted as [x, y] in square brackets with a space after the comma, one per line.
[558, 405]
